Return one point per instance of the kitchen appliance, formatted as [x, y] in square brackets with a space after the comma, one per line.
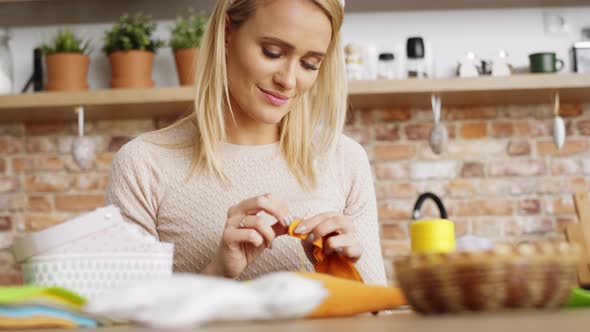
[434, 235]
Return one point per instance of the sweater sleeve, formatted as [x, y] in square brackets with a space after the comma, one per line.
[361, 206]
[132, 186]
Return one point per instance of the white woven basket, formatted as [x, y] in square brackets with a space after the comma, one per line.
[92, 254]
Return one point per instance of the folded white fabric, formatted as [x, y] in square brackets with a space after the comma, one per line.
[187, 300]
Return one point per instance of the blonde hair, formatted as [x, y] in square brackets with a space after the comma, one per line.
[312, 126]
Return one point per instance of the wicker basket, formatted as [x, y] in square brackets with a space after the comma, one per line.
[508, 277]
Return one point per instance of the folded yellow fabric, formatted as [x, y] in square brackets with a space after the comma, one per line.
[333, 264]
[35, 322]
[349, 297]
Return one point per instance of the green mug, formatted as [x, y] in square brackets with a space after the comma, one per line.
[546, 62]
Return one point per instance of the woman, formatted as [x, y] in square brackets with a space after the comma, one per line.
[264, 142]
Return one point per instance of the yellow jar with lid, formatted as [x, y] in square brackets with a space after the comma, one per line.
[433, 235]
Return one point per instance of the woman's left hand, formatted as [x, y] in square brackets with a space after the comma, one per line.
[338, 231]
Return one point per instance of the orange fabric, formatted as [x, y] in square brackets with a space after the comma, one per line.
[348, 297]
[332, 264]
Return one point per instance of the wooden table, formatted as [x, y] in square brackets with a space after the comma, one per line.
[571, 320]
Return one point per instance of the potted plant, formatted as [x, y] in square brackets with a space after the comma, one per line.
[66, 62]
[186, 34]
[131, 50]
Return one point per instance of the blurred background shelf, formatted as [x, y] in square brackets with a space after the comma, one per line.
[110, 104]
[47, 12]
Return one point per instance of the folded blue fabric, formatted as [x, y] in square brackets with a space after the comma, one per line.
[29, 311]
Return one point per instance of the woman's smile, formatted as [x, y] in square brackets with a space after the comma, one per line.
[274, 98]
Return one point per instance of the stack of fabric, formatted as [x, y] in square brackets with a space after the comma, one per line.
[10, 272]
[42, 307]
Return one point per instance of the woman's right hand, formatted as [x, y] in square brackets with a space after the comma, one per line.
[246, 234]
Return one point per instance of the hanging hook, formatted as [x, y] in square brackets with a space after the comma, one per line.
[558, 124]
[556, 103]
[435, 100]
[80, 112]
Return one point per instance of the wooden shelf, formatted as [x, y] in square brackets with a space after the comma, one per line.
[46, 12]
[513, 90]
[169, 102]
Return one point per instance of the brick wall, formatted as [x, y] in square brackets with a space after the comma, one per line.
[501, 177]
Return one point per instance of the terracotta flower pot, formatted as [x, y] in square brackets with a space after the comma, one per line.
[132, 69]
[186, 61]
[67, 71]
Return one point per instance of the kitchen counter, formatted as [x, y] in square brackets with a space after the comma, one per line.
[570, 320]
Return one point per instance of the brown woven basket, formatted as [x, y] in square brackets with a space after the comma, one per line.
[508, 277]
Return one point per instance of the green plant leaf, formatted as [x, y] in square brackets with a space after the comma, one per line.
[188, 30]
[66, 42]
[131, 33]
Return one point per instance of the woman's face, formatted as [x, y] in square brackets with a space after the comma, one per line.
[274, 57]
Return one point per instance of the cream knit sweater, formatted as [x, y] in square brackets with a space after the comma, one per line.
[149, 184]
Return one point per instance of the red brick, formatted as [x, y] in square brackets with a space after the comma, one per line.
[390, 171]
[90, 182]
[472, 170]
[461, 227]
[12, 202]
[45, 128]
[125, 127]
[47, 183]
[401, 190]
[2, 165]
[476, 149]
[362, 135]
[395, 210]
[502, 129]
[469, 113]
[41, 144]
[529, 207]
[11, 145]
[563, 166]
[78, 202]
[40, 221]
[584, 127]
[387, 115]
[9, 184]
[393, 152]
[49, 163]
[530, 129]
[561, 206]
[418, 132]
[394, 231]
[486, 207]
[520, 167]
[39, 204]
[387, 132]
[538, 226]
[571, 147]
[462, 188]
[474, 130]
[104, 160]
[490, 228]
[513, 227]
[570, 110]
[22, 164]
[519, 148]
[434, 170]
[5, 223]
